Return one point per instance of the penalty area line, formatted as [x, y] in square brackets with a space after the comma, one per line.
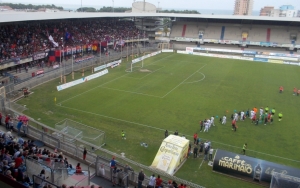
[122, 120]
[106, 82]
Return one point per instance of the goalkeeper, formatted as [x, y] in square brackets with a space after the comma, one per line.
[280, 116]
[123, 135]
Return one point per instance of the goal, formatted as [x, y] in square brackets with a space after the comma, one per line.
[77, 131]
[135, 64]
[280, 180]
[71, 132]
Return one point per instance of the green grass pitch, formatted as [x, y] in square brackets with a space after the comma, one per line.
[174, 92]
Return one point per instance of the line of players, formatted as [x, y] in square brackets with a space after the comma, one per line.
[207, 123]
[265, 118]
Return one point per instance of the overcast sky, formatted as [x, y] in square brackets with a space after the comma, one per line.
[166, 4]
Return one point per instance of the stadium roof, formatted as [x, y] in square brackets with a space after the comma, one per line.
[34, 16]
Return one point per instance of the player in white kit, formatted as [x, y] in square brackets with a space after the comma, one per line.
[224, 120]
[242, 115]
[212, 119]
[206, 127]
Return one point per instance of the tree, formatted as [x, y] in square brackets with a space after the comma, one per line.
[86, 9]
[166, 30]
[116, 9]
[166, 20]
[30, 6]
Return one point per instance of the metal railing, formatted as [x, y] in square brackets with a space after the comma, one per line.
[44, 182]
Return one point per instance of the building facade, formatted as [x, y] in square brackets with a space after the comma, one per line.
[243, 7]
[284, 11]
[266, 11]
[275, 13]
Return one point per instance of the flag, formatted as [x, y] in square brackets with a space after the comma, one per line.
[55, 99]
[55, 44]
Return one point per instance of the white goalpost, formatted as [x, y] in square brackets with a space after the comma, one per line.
[135, 64]
[138, 63]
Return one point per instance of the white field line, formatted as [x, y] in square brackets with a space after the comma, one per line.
[196, 80]
[183, 81]
[146, 74]
[105, 83]
[122, 120]
[201, 163]
[131, 92]
[140, 124]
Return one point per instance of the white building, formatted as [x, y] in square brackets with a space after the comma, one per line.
[284, 11]
[275, 13]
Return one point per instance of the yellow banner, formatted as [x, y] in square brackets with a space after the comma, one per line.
[275, 61]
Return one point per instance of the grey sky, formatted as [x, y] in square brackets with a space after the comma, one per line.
[166, 4]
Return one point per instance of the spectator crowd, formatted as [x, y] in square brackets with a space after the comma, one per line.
[24, 39]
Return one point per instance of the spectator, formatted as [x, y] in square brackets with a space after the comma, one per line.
[39, 180]
[78, 168]
[114, 175]
[102, 170]
[152, 181]
[8, 174]
[84, 153]
[141, 178]
[113, 163]
[158, 182]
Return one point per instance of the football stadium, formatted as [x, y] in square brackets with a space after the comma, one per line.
[98, 99]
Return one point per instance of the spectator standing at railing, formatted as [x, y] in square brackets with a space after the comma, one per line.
[141, 178]
[41, 177]
[84, 153]
[19, 125]
[152, 181]
[158, 183]
[7, 118]
[113, 163]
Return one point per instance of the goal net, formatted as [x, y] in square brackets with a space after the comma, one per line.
[72, 133]
[280, 180]
[135, 64]
[76, 130]
[138, 63]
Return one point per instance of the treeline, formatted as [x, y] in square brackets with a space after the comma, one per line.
[180, 11]
[103, 9]
[30, 6]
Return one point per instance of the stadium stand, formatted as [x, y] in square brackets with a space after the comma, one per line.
[23, 40]
[227, 31]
